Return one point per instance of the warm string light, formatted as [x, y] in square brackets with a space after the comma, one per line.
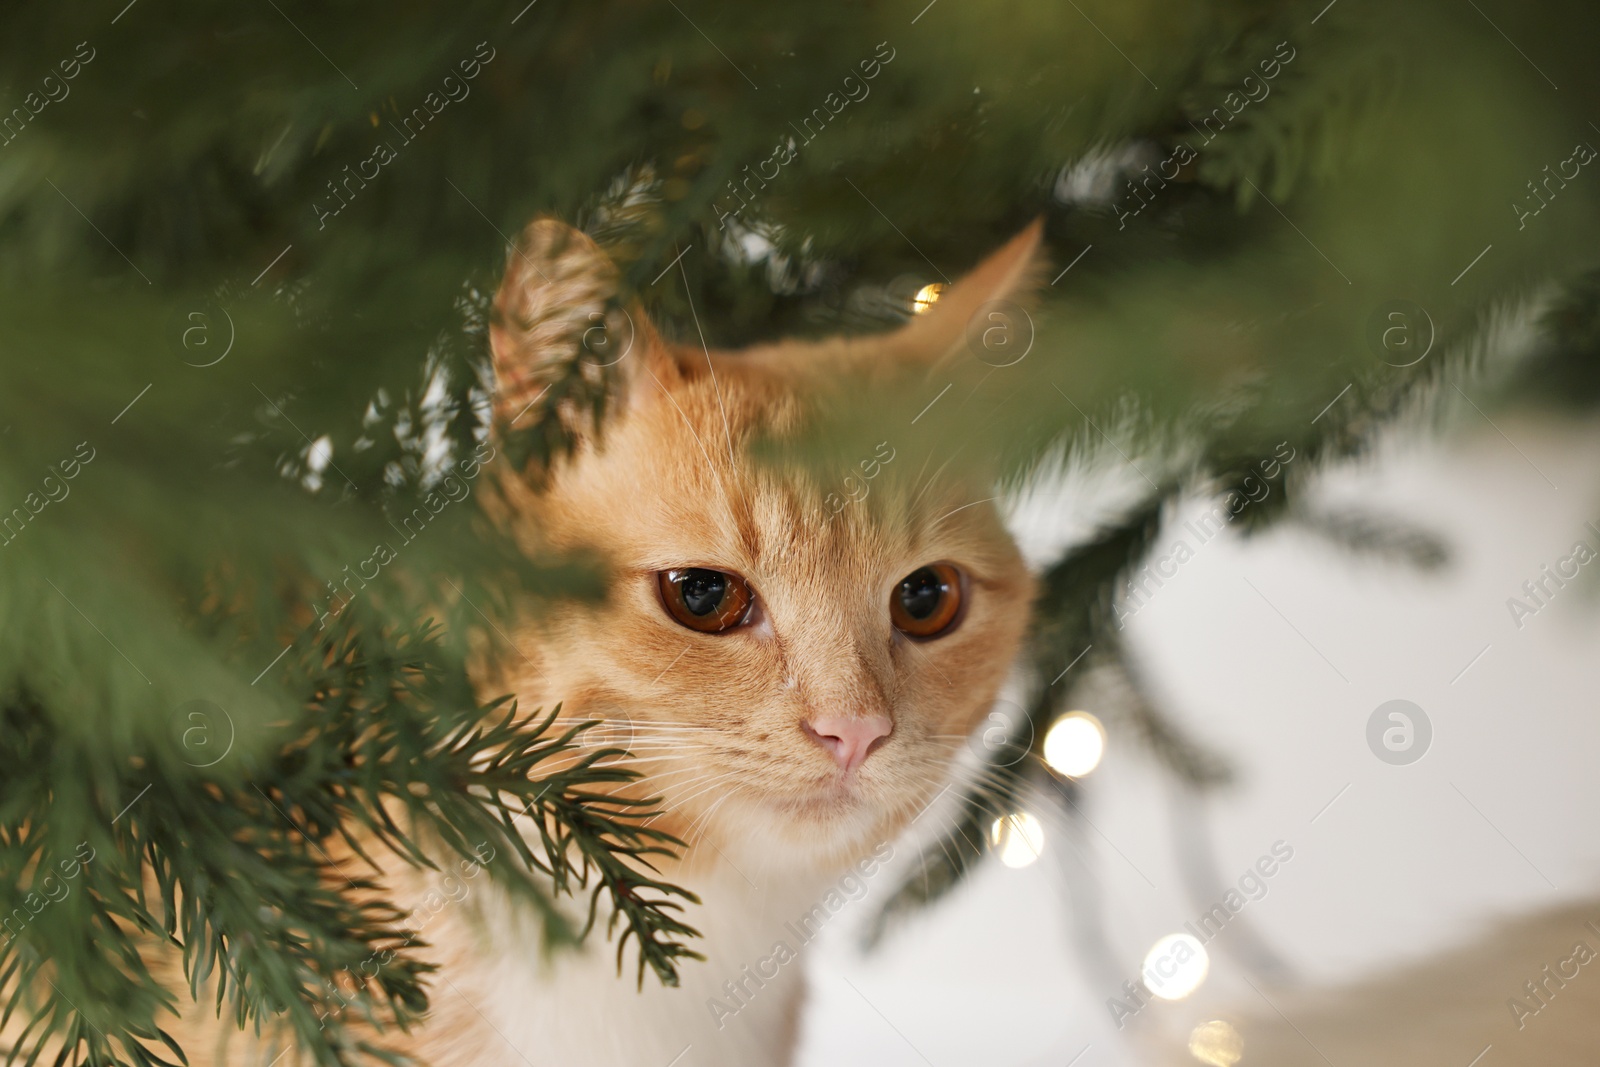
[1075, 744]
[1175, 966]
[1216, 1044]
[1073, 747]
[926, 297]
[1018, 838]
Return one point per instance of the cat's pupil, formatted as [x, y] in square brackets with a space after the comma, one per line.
[921, 592]
[703, 590]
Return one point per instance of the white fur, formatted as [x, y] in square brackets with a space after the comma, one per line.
[518, 1009]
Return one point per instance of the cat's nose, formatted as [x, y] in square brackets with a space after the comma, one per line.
[849, 741]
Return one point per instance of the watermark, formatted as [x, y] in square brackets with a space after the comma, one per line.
[786, 151]
[191, 336]
[597, 341]
[1175, 957]
[453, 488]
[1180, 156]
[1582, 156]
[33, 903]
[753, 977]
[53, 488]
[451, 890]
[1000, 333]
[1541, 590]
[51, 90]
[202, 735]
[1252, 90]
[613, 728]
[411, 126]
[1005, 737]
[1399, 732]
[1539, 991]
[1234, 104]
[1400, 332]
[870, 469]
[1149, 579]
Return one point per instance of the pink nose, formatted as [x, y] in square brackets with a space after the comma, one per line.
[849, 741]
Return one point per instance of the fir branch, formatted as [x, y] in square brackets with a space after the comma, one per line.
[1385, 537]
[243, 876]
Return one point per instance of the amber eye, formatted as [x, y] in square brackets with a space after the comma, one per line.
[925, 602]
[712, 602]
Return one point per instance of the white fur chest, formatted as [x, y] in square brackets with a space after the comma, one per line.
[503, 1004]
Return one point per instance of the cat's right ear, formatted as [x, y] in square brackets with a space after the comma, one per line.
[985, 307]
[556, 307]
[986, 310]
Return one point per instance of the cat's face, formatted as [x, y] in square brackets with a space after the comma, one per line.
[793, 675]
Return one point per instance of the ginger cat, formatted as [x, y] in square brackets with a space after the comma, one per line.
[794, 682]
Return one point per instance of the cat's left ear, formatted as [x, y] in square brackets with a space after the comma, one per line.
[558, 304]
[993, 295]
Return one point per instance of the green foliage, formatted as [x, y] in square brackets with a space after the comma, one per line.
[239, 870]
[269, 338]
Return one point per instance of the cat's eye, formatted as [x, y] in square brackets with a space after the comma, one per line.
[926, 602]
[712, 602]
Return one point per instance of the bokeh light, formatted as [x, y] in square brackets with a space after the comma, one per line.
[1216, 1044]
[1175, 966]
[1075, 744]
[926, 297]
[1018, 838]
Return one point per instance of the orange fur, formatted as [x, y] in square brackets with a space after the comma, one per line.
[669, 484]
[714, 720]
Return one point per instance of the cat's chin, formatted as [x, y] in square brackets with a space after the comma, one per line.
[823, 826]
[830, 805]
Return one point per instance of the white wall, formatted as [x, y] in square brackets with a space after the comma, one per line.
[1400, 866]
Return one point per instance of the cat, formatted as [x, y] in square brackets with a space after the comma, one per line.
[793, 677]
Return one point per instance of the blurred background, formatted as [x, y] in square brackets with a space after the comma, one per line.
[1321, 306]
[1420, 897]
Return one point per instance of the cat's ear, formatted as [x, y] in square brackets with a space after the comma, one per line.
[993, 296]
[557, 305]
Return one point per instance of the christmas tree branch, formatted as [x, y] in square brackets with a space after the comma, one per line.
[244, 879]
